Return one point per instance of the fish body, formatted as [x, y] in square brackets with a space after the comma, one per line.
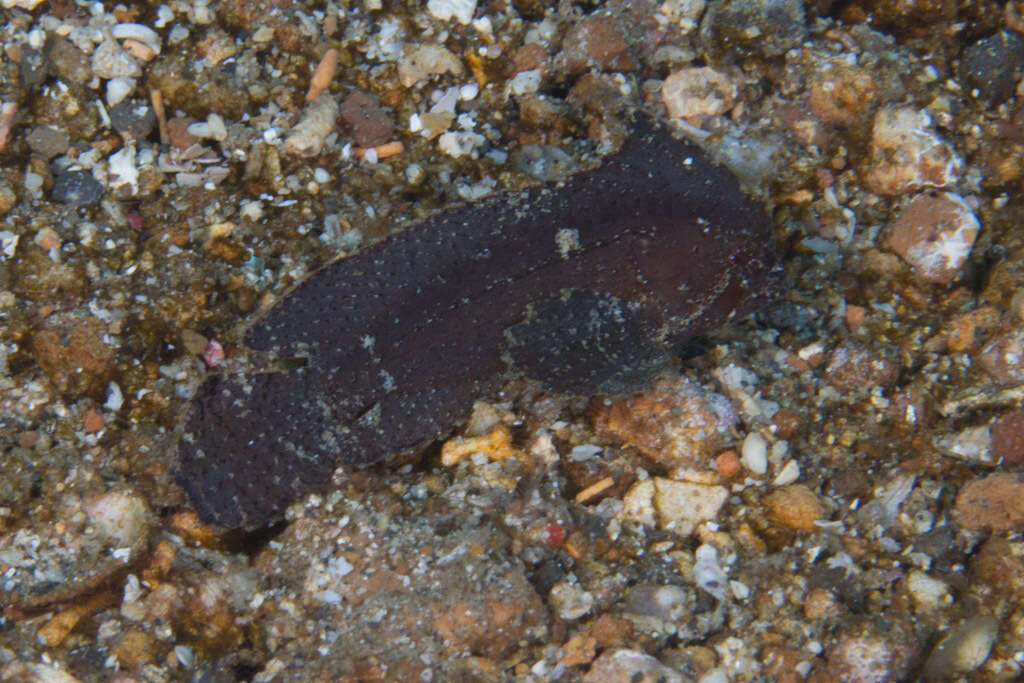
[583, 284]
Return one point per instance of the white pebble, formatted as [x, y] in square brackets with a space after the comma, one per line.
[707, 573]
[525, 82]
[462, 10]
[118, 89]
[321, 175]
[789, 473]
[755, 453]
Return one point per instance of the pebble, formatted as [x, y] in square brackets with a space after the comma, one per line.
[676, 423]
[76, 188]
[118, 89]
[596, 42]
[968, 331]
[133, 119]
[423, 61]
[855, 368]
[795, 507]
[935, 235]
[679, 506]
[972, 444]
[615, 666]
[698, 91]
[754, 454]
[120, 516]
[570, 600]
[927, 591]
[67, 61]
[367, 123]
[994, 502]
[110, 61]
[1003, 358]
[964, 649]
[460, 10]
[47, 142]
[990, 69]
[1007, 439]
[873, 653]
[763, 27]
[308, 136]
[906, 155]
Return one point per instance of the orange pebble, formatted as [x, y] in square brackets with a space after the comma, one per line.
[388, 149]
[92, 421]
[728, 464]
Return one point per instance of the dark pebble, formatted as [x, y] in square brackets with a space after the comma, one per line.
[33, 66]
[77, 188]
[764, 27]
[47, 142]
[989, 69]
[133, 119]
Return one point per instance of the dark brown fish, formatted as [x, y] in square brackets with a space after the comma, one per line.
[583, 284]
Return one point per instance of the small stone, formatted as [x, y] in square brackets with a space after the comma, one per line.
[47, 142]
[761, 27]
[795, 507]
[308, 136]
[120, 516]
[118, 89]
[698, 91]
[33, 67]
[367, 123]
[841, 91]
[79, 365]
[133, 119]
[421, 62]
[135, 649]
[964, 649]
[990, 69]
[928, 592]
[177, 131]
[461, 10]
[854, 368]
[755, 453]
[596, 42]
[110, 61]
[681, 506]
[935, 235]
[906, 155]
[1003, 358]
[994, 502]
[1008, 439]
[968, 331]
[68, 62]
[972, 444]
[570, 600]
[76, 188]
[873, 653]
[630, 665]
[92, 421]
[529, 57]
[675, 423]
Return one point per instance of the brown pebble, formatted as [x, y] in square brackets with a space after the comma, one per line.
[92, 421]
[134, 649]
[1008, 439]
[365, 120]
[794, 506]
[599, 42]
[969, 330]
[935, 235]
[994, 502]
